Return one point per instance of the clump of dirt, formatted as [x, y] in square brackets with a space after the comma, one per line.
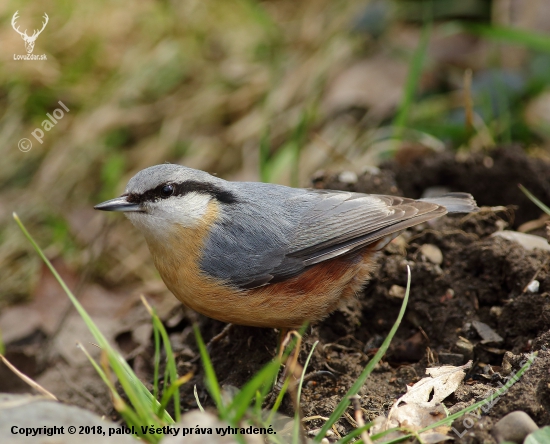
[492, 177]
[465, 283]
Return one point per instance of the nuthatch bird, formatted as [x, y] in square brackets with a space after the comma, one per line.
[265, 255]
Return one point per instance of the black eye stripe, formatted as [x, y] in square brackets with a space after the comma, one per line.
[181, 189]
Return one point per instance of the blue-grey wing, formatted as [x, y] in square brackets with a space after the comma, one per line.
[342, 222]
[276, 233]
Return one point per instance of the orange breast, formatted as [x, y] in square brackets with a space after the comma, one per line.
[309, 296]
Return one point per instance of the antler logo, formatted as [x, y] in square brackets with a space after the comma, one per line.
[29, 40]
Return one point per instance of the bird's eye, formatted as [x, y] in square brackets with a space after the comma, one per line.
[166, 191]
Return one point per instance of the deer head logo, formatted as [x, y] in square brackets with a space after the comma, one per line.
[29, 40]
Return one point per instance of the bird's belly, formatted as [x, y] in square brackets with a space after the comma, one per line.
[310, 296]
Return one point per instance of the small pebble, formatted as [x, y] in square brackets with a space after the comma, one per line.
[514, 427]
[465, 347]
[501, 225]
[488, 162]
[315, 432]
[348, 177]
[488, 335]
[432, 253]
[496, 311]
[527, 241]
[449, 293]
[396, 291]
[371, 169]
[533, 286]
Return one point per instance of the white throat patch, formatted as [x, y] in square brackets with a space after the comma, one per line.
[165, 215]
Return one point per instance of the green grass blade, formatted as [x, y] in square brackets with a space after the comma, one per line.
[2, 345]
[99, 370]
[173, 391]
[342, 406]
[539, 436]
[298, 139]
[413, 79]
[211, 379]
[297, 425]
[533, 199]
[130, 416]
[265, 173]
[241, 402]
[354, 434]
[199, 405]
[156, 361]
[257, 11]
[522, 37]
[171, 366]
[287, 156]
[280, 161]
[279, 400]
[142, 400]
[258, 398]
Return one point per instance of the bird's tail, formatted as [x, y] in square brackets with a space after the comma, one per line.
[455, 202]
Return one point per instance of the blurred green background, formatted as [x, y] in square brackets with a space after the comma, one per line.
[248, 90]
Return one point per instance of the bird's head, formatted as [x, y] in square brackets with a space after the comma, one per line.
[163, 197]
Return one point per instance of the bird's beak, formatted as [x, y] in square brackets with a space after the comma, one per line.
[118, 204]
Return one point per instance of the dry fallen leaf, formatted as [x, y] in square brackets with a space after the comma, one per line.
[422, 404]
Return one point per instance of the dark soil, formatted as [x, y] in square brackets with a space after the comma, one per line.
[481, 278]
